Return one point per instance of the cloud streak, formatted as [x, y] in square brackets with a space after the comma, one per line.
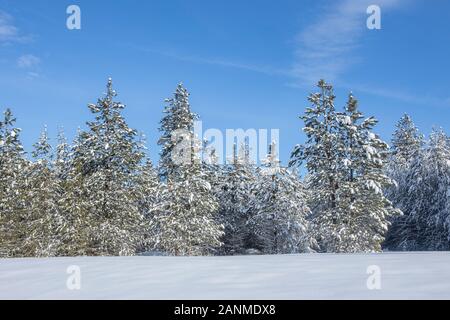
[401, 95]
[326, 48]
[28, 61]
[268, 70]
[8, 31]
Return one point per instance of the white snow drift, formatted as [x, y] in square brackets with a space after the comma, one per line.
[304, 276]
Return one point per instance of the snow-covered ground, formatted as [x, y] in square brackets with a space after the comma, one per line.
[307, 276]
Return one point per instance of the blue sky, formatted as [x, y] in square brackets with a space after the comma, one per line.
[247, 64]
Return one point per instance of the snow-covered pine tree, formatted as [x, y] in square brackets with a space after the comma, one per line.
[62, 168]
[185, 221]
[427, 206]
[278, 221]
[438, 176]
[321, 154]
[321, 150]
[235, 194]
[149, 197]
[61, 156]
[43, 215]
[345, 163]
[177, 121]
[13, 205]
[42, 149]
[149, 188]
[101, 199]
[363, 213]
[216, 175]
[407, 143]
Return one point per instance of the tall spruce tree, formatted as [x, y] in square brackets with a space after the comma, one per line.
[406, 148]
[149, 194]
[177, 125]
[406, 142]
[345, 163]
[102, 194]
[13, 200]
[61, 156]
[364, 213]
[437, 180]
[185, 221]
[280, 211]
[235, 192]
[43, 219]
[321, 156]
[321, 150]
[426, 205]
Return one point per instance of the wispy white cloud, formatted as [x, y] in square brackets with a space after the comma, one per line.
[28, 61]
[9, 34]
[33, 75]
[269, 70]
[8, 31]
[400, 95]
[237, 65]
[31, 65]
[325, 49]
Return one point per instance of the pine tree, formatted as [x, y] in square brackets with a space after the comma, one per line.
[321, 150]
[177, 127]
[149, 193]
[217, 175]
[235, 192]
[13, 204]
[345, 163]
[280, 211]
[429, 178]
[43, 215]
[407, 144]
[424, 198]
[149, 188]
[437, 180]
[104, 214]
[61, 157]
[321, 155]
[363, 212]
[185, 220]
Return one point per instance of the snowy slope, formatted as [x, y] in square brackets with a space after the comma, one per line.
[308, 276]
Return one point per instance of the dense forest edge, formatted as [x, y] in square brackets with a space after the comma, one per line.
[101, 195]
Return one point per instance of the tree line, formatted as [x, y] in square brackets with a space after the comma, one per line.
[101, 194]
